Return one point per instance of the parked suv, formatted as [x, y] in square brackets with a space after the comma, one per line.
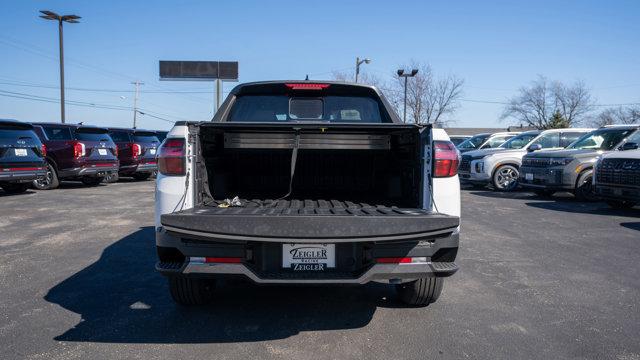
[571, 169]
[307, 183]
[616, 176]
[136, 151]
[485, 141]
[75, 152]
[500, 166]
[21, 156]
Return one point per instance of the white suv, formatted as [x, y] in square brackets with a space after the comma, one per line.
[499, 166]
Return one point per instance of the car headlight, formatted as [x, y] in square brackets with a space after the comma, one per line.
[560, 161]
[480, 166]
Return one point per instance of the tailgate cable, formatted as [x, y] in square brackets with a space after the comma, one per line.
[294, 160]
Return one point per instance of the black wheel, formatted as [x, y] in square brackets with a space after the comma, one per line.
[544, 193]
[141, 176]
[505, 178]
[187, 291]
[420, 292]
[91, 181]
[50, 180]
[584, 187]
[621, 204]
[111, 178]
[15, 188]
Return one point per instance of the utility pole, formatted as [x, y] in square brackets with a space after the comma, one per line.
[50, 15]
[406, 77]
[218, 94]
[135, 102]
[358, 63]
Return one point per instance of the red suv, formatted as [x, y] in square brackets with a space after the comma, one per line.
[76, 152]
[136, 151]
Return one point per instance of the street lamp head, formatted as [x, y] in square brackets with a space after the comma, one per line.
[414, 72]
[50, 15]
[367, 61]
[400, 72]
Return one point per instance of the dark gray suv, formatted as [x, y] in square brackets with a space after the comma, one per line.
[571, 169]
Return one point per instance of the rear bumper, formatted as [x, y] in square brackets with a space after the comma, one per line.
[355, 262]
[138, 168]
[22, 175]
[92, 170]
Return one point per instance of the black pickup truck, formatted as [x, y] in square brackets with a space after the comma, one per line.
[21, 156]
[307, 183]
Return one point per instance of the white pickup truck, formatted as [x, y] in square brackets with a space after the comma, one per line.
[298, 182]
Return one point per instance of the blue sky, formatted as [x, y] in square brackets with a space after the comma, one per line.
[495, 46]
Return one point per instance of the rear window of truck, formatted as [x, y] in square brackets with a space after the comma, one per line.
[284, 108]
[120, 136]
[145, 137]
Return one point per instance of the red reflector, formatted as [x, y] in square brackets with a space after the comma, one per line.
[393, 260]
[224, 260]
[446, 159]
[23, 169]
[103, 165]
[44, 150]
[307, 86]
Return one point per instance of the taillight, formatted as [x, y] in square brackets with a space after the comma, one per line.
[446, 159]
[79, 149]
[115, 150]
[172, 157]
[402, 260]
[136, 150]
[43, 150]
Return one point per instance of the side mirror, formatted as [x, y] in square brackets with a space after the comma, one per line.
[534, 147]
[630, 146]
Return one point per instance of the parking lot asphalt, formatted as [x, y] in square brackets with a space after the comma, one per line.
[539, 279]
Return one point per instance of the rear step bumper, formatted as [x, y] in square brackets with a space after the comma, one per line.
[385, 273]
[307, 221]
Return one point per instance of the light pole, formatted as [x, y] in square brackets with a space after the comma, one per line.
[135, 102]
[406, 77]
[50, 15]
[358, 63]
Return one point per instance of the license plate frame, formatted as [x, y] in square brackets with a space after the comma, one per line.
[20, 152]
[528, 176]
[152, 151]
[308, 257]
[102, 152]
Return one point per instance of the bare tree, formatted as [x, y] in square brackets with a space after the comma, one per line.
[536, 105]
[617, 115]
[430, 99]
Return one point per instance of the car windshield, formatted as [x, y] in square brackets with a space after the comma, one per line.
[603, 139]
[282, 108]
[473, 142]
[519, 141]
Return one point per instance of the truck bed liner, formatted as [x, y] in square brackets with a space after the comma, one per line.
[307, 221]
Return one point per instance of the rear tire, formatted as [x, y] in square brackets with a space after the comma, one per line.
[188, 292]
[50, 180]
[505, 178]
[111, 178]
[420, 292]
[15, 188]
[141, 177]
[91, 181]
[621, 204]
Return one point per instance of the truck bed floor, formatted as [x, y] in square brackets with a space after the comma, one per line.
[307, 221]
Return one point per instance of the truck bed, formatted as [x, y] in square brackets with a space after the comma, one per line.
[307, 221]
